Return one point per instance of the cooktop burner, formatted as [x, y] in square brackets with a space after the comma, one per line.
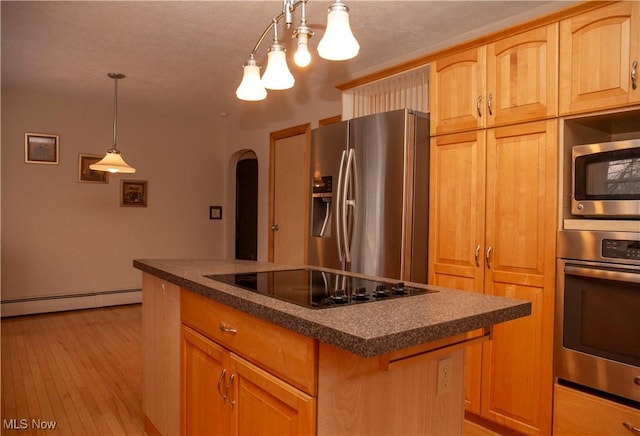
[317, 289]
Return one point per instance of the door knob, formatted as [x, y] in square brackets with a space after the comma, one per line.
[275, 227]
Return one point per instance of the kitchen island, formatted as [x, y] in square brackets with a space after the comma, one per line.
[385, 367]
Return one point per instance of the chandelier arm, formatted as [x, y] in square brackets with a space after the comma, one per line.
[274, 22]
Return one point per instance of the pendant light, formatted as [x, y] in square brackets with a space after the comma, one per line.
[251, 87]
[112, 161]
[338, 42]
[277, 74]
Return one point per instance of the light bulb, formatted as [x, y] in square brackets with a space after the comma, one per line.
[302, 58]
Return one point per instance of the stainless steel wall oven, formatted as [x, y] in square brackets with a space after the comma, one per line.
[597, 342]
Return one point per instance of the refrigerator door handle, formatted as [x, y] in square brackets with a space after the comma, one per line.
[339, 206]
[348, 182]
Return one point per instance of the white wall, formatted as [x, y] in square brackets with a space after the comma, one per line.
[60, 236]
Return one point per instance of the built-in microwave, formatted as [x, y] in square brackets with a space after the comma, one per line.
[605, 179]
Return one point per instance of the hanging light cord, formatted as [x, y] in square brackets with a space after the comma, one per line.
[115, 76]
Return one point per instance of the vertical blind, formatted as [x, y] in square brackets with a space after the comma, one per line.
[405, 90]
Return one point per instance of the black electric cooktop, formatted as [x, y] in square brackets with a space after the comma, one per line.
[318, 289]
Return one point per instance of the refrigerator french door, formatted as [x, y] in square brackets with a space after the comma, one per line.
[369, 207]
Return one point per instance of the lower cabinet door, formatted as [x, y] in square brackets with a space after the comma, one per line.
[265, 405]
[204, 410]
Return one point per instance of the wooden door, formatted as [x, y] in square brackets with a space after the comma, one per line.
[289, 195]
[265, 405]
[597, 51]
[456, 91]
[456, 231]
[520, 263]
[522, 77]
[204, 411]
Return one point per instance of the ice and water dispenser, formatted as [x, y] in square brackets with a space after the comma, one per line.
[322, 197]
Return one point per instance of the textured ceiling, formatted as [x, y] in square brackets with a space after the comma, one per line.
[189, 54]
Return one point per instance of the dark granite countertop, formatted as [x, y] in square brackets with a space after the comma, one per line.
[367, 330]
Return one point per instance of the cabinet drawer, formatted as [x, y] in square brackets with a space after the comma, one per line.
[288, 355]
[578, 413]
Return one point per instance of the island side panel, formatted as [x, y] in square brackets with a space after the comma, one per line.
[160, 356]
[355, 396]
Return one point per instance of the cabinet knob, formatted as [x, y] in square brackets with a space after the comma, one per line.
[275, 227]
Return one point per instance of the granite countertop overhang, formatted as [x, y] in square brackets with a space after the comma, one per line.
[367, 330]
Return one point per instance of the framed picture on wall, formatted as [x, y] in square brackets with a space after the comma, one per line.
[86, 174]
[41, 148]
[133, 193]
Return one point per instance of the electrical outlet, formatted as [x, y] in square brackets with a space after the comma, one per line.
[444, 376]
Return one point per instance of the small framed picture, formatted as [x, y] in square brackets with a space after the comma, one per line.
[41, 148]
[215, 212]
[86, 174]
[133, 193]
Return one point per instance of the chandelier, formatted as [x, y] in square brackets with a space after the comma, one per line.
[337, 44]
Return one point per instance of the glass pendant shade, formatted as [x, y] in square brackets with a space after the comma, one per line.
[113, 163]
[338, 42]
[277, 75]
[302, 58]
[251, 87]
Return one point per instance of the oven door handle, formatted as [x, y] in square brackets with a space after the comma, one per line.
[603, 274]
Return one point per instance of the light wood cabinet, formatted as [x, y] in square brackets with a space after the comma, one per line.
[522, 77]
[160, 356]
[578, 413]
[493, 218]
[224, 393]
[508, 81]
[598, 51]
[456, 89]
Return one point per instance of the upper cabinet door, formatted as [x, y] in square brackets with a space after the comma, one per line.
[522, 77]
[456, 89]
[599, 52]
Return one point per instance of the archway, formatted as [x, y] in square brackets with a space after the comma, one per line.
[246, 223]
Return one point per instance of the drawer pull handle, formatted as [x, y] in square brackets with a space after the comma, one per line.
[488, 256]
[634, 66]
[226, 391]
[630, 427]
[478, 105]
[477, 254]
[227, 329]
[222, 395]
[636, 380]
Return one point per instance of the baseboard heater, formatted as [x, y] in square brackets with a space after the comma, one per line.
[59, 303]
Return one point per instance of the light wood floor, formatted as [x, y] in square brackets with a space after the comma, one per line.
[80, 370]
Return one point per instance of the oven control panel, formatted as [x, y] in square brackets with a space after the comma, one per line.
[621, 249]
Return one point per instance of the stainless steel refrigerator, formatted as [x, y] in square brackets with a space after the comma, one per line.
[370, 195]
